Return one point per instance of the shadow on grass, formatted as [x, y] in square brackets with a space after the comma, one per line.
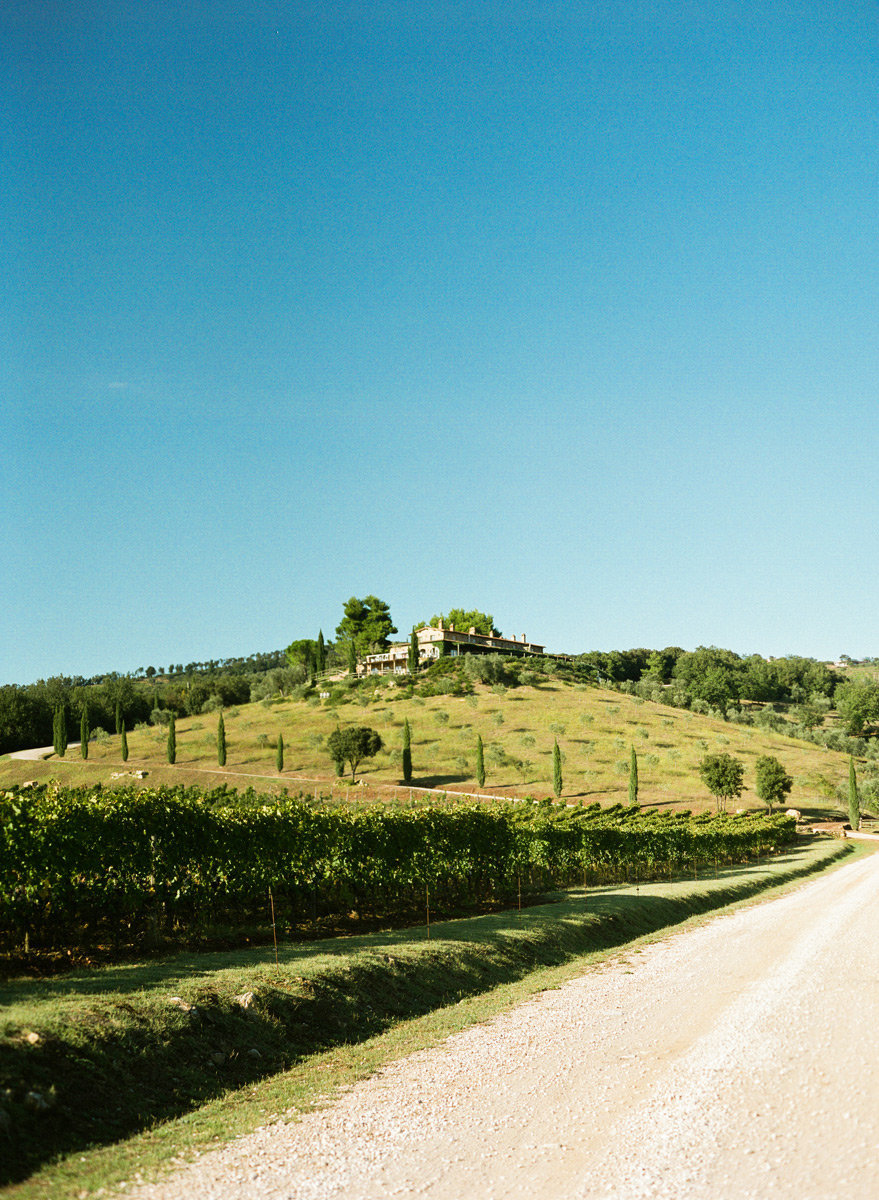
[127, 1063]
[438, 781]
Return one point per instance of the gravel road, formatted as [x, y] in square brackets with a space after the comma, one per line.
[737, 1059]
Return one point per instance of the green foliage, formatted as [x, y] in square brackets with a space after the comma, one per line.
[633, 777]
[711, 675]
[351, 657]
[773, 781]
[87, 858]
[352, 745]
[320, 656]
[366, 625]
[556, 769]
[279, 754]
[59, 731]
[302, 653]
[221, 741]
[854, 801]
[407, 752]
[463, 620]
[480, 761]
[171, 747]
[118, 714]
[412, 656]
[123, 743]
[724, 777]
[857, 702]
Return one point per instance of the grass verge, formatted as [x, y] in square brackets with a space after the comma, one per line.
[112, 1072]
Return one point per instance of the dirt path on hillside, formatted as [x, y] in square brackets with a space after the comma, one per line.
[733, 1060]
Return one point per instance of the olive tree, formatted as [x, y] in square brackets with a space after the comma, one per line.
[724, 777]
[773, 782]
[353, 745]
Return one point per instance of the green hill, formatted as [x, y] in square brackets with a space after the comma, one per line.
[595, 729]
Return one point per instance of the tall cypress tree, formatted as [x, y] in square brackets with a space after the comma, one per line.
[854, 800]
[407, 752]
[172, 740]
[480, 761]
[118, 717]
[84, 732]
[556, 768]
[124, 743]
[412, 662]
[221, 741]
[279, 753]
[56, 733]
[321, 653]
[633, 777]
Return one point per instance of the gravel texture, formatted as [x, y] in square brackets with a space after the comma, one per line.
[736, 1059]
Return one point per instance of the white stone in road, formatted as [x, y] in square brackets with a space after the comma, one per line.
[734, 1060]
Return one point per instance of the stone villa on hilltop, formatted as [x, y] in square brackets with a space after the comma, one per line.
[439, 642]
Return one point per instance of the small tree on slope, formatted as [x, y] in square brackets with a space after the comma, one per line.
[221, 741]
[773, 782]
[171, 748]
[724, 777]
[407, 752]
[633, 777]
[854, 800]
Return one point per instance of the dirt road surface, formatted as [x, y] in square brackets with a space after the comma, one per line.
[736, 1059]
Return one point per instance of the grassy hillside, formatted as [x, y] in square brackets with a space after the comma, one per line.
[595, 730]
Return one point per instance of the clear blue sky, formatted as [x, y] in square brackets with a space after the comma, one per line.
[564, 311]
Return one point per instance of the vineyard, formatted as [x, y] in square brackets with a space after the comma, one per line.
[82, 864]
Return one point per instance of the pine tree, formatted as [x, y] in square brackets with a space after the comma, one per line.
[172, 740]
[279, 753]
[854, 800]
[321, 653]
[84, 732]
[124, 743]
[480, 761]
[407, 752]
[221, 741]
[556, 769]
[633, 778]
[352, 659]
[118, 717]
[413, 653]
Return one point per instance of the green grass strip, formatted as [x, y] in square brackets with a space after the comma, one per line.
[94, 1058]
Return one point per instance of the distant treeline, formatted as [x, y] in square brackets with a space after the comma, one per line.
[27, 711]
[717, 677]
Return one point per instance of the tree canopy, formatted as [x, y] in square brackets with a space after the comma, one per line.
[466, 619]
[303, 653]
[366, 625]
[773, 781]
[857, 702]
[352, 745]
[724, 777]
